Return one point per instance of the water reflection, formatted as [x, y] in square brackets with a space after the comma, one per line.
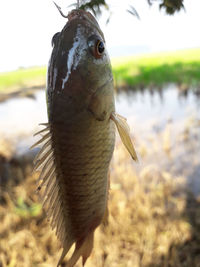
[162, 104]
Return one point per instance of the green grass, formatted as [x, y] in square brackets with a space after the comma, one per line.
[179, 67]
[22, 78]
[26, 211]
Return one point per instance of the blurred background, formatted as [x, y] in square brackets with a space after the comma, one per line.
[154, 204]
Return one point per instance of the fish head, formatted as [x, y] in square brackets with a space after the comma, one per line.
[79, 68]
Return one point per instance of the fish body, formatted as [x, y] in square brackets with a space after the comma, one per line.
[80, 134]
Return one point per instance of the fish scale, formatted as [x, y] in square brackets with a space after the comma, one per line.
[91, 164]
[78, 140]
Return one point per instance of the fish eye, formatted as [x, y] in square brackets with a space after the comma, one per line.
[96, 46]
[54, 39]
[100, 47]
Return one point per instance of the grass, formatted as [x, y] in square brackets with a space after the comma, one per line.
[180, 67]
[22, 78]
[148, 224]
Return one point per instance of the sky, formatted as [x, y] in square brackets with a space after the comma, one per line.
[27, 26]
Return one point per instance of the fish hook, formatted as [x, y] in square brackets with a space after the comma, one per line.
[59, 9]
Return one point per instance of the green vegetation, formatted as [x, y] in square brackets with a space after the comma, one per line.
[180, 67]
[22, 78]
[25, 210]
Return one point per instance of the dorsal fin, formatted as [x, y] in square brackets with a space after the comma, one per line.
[49, 184]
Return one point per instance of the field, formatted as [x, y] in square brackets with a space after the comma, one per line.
[155, 70]
[22, 78]
[154, 216]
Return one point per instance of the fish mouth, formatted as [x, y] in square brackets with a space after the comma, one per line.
[81, 14]
[75, 13]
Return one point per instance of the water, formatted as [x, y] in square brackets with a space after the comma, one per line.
[146, 107]
[19, 119]
[165, 123]
[22, 115]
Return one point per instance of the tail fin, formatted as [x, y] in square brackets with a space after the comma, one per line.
[83, 248]
[65, 250]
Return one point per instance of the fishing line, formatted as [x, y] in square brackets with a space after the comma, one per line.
[79, 3]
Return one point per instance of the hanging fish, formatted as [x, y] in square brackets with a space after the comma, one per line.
[78, 140]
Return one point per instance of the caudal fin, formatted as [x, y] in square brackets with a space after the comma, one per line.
[83, 248]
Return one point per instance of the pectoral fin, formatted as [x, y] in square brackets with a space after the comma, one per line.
[124, 132]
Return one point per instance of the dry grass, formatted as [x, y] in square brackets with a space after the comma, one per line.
[148, 224]
[154, 220]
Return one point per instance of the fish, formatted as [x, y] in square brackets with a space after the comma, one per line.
[78, 139]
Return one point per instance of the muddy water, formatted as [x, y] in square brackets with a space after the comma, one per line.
[165, 126]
